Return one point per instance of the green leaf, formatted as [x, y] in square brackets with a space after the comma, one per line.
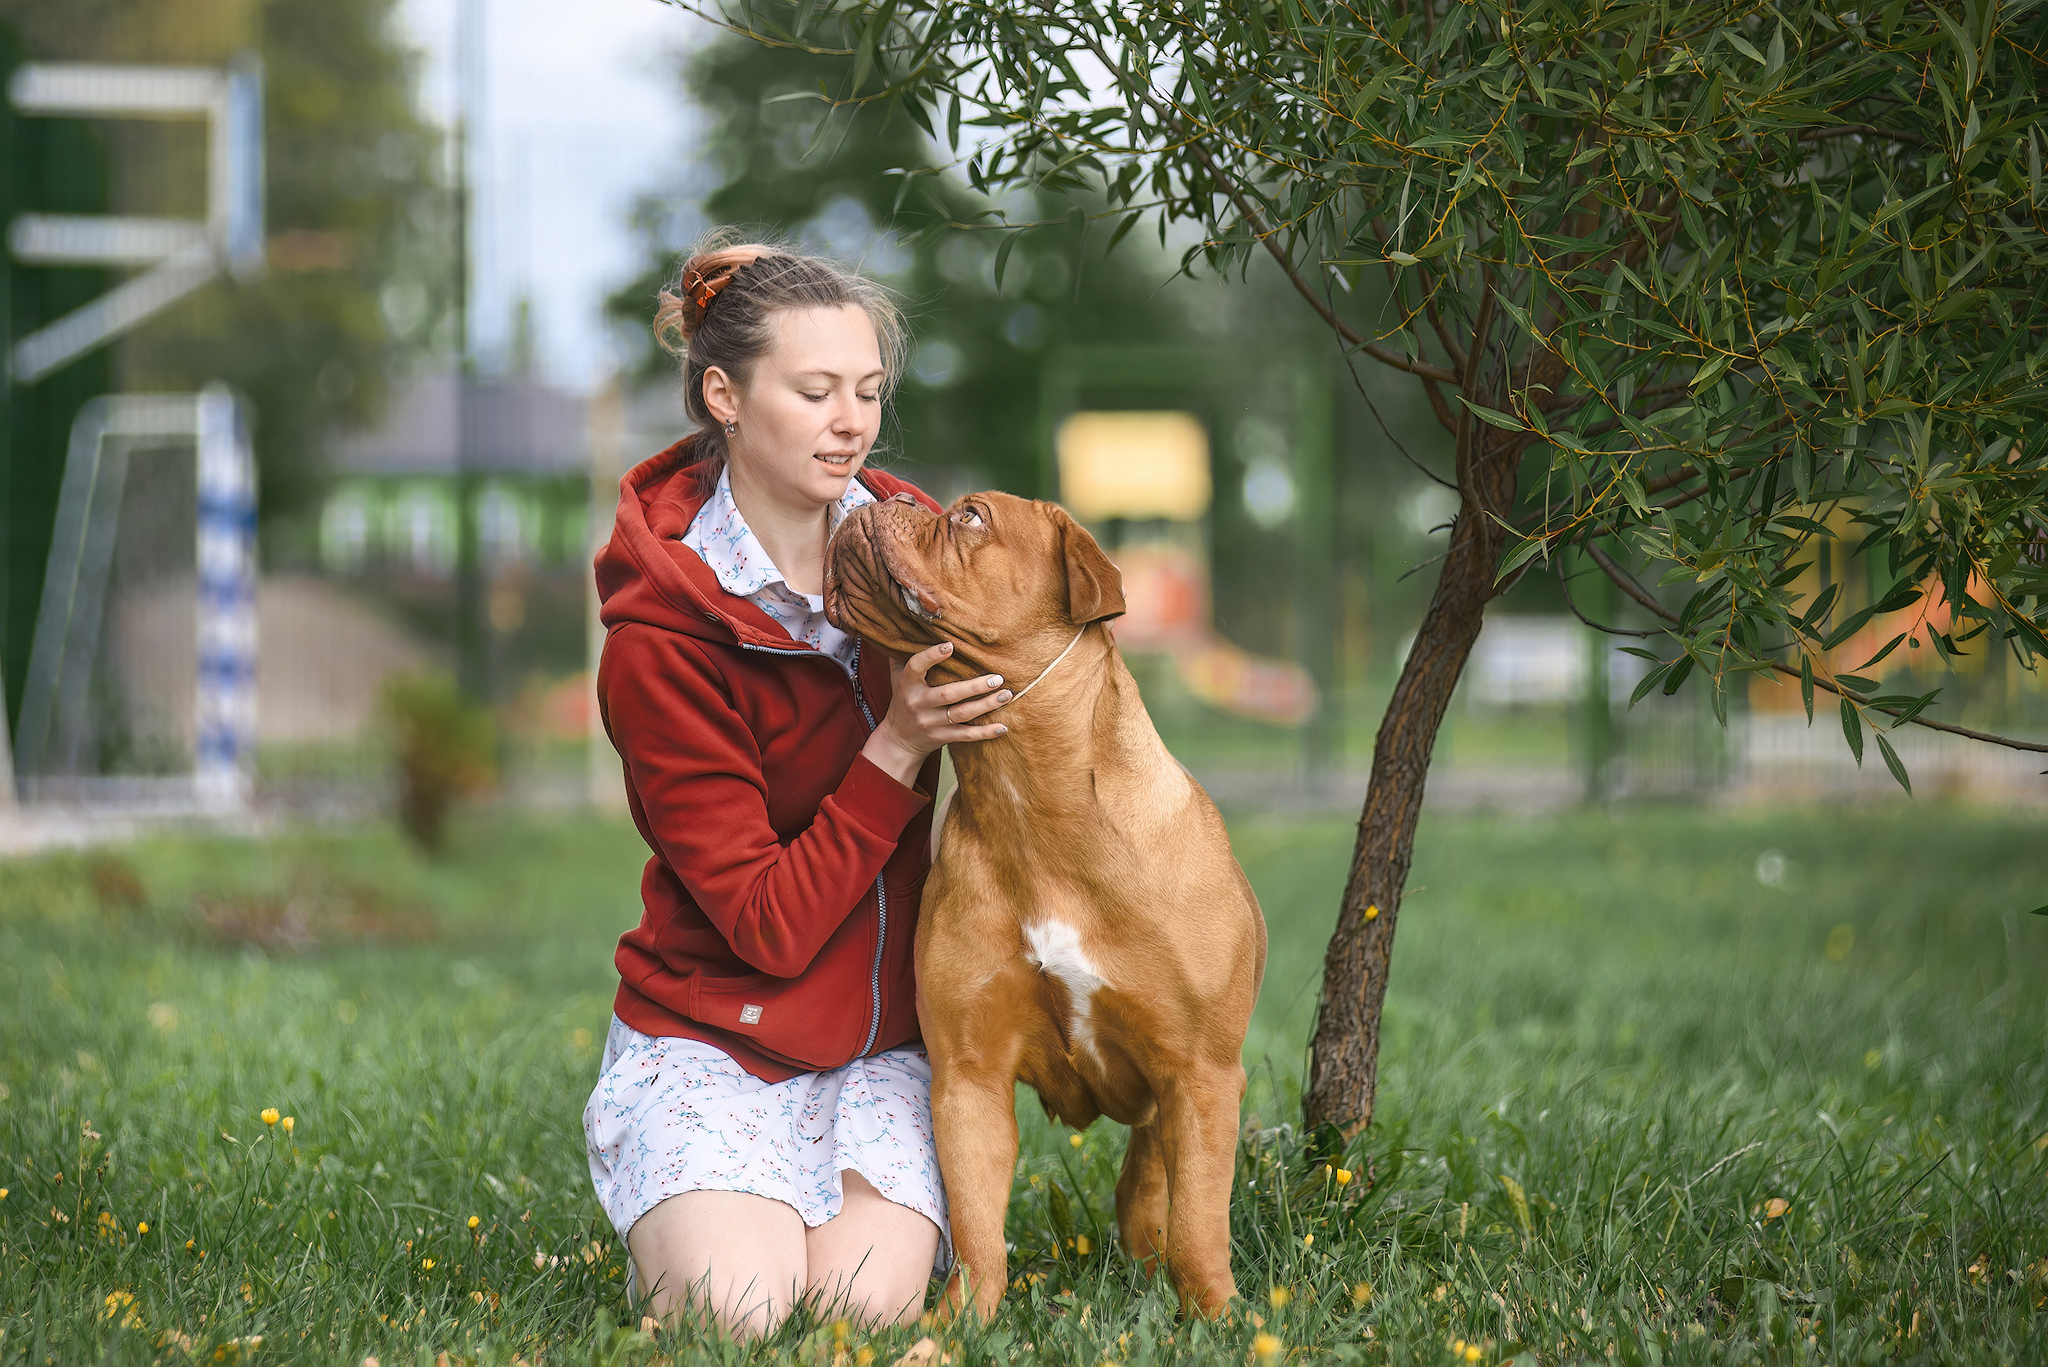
[1061, 1210]
[1852, 727]
[1742, 45]
[1806, 685]
[1003, 250]
[1494, 418]
[1516, 557]
[1891, 760]
[2039, 911]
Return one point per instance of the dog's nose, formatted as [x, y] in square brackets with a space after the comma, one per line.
[904, 498]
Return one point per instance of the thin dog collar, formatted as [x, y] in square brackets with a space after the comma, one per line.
[1054, 665]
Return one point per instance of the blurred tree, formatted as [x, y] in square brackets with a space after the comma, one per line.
[1682, 281]
[790, 162]
[357, 285]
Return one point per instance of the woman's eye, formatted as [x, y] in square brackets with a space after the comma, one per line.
[817, 398]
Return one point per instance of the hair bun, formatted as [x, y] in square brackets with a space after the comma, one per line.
[685, 303]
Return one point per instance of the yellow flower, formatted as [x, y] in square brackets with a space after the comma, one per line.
[863, 1355]
[121, 1304]
[1279, 1296]
[287, 1124]
[1083, 1245]
[1266, 1346]
[1307, 1239]
[1775, 1207]
[1361, 1293]
[427, 1264]
[1372, 912]
[474, 1222]
[3, 1193]
[1075, 1140]
[142, 1228]
[1472, 1353]
[1343, 1177]
[270, 1115]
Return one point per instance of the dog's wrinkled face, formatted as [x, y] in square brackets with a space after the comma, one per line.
[992, 571]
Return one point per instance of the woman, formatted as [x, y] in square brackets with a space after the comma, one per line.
[761, 1132]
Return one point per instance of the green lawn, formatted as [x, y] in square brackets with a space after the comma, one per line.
[1636, 1104]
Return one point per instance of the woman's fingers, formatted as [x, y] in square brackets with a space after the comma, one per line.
[953, 735]
[921, 663]
[947, 694]
[968, 710]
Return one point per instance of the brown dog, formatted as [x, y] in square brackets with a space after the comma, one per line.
[1085, 927]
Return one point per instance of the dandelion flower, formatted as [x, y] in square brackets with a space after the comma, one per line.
[1343, 1177]
[1775, 1207]
[142, 1228]
[1361, 1293]
[1266, 1346]
[287, 1124]
[1083, 1245]
[1472, 1353]
[1372, 912]
[426, 1264]
[3, 1193]
[188, 1245]
[1075, 1140]
[1307, 1239]
[863, 1355]
[270, 1115]
[474, 1222]
[1279, 1296]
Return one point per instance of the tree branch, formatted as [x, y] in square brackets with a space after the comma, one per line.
[1627, 584]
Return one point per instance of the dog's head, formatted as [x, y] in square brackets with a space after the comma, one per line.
[990, 573]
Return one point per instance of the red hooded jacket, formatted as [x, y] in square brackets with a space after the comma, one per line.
[781, 899]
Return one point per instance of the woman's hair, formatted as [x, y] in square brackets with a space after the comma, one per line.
[719, 311]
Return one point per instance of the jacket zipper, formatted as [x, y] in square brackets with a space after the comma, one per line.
[881, 890]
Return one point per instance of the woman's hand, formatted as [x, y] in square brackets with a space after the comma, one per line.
[923, 717]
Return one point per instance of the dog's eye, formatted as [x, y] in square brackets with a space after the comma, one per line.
[970, 516]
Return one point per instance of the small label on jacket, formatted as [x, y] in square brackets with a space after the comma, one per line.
[750, 1014]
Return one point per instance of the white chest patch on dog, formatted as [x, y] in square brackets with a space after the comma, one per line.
[1054, 947]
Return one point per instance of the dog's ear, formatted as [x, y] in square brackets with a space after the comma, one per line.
[1095, 586]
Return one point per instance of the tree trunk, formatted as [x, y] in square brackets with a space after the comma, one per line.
[1344, 1067]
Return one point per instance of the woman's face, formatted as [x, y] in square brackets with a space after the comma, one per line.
[812, 408]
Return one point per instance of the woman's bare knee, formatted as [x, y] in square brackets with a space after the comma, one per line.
[737, 1257]
[871, 1262]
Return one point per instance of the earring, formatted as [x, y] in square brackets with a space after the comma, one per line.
[731, 427]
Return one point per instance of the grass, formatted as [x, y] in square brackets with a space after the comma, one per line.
[1639, 1103]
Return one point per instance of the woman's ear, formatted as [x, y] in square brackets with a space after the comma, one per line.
[721, 395]
[1095, 586]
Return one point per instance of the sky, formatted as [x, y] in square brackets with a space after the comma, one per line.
[581, 113]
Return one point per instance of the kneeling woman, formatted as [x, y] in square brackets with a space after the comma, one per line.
[761, 1132]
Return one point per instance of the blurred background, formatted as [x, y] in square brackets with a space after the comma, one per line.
[328, 335]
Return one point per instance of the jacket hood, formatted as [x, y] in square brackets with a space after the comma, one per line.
[646, 574]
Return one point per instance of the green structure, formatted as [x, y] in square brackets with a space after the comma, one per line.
[49, 165]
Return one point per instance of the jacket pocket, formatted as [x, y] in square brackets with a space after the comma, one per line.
[799, 1022]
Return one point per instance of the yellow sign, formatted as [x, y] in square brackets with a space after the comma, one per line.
[1135, 465]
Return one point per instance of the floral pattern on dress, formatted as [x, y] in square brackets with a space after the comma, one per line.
[671, 1115]
[723, 540]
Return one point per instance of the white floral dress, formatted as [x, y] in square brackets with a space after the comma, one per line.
[672, 1115]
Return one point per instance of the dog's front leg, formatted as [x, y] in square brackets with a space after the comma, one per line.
[974, 1119]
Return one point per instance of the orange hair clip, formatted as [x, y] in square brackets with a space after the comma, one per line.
[703, 291]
